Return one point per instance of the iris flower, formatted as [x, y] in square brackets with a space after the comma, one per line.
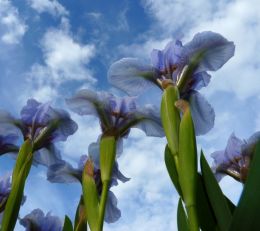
[5, 189]
[43, 125]
[183, 65]
[8, 139]
[117, 115]
[235, 159]
[36, 220]
[63, 172]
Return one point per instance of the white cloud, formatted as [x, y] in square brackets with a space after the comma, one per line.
[12, 26]
[52, 7]
[65, 59]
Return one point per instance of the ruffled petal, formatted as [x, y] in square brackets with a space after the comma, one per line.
[112, 213]
[41, 222]
[233, 148]
[248, 147]
[150, 121]
[47, 156]
[66, 126]
[215, 50]
[63, 172]
[200, 80]
[203, 114]
[131, 75]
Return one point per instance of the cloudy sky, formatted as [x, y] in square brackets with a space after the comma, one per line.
[49, 49]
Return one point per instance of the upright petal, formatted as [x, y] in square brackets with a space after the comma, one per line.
[65, 125]
[36, 220]
[203, 114]
[233, 148]
[248, 147]
[47, 156]
[215, 50]
[131, 75]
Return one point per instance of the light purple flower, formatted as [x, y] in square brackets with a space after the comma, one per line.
[36, 220]
[207, 51]
[235, 159]
[44, 125]
[5, 188]
[8, 139]
[117, 115]
[64, 172]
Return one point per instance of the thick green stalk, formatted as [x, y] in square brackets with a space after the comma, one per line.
[102, 205]
[20, 173]
[192, 218]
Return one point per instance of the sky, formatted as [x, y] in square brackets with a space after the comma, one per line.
[49, 49]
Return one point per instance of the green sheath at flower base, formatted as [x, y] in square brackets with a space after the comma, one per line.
[171, 117]
[107, 156]
[90, 194]
[20, 173]
[188, 162]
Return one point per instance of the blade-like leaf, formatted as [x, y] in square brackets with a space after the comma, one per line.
[206, 214]
[246, 215]
[67, 224]
[171, 168]
[182, 218]
[80, 222]
[216, 197]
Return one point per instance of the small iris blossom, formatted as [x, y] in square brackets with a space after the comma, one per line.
[185, 66]
[8, 139]
[235, 159]
[36, 220]
[63, 172]
[117, 115]
[5, 188]
[43, 125]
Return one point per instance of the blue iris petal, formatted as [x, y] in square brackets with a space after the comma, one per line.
[202, 112]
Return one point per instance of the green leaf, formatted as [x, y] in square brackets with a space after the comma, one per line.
[216, 197]
[246, 215]
[67, 224]
[90, 195]
[182, 218]
[80, 221]
[206, 214]
[171, 168]
[107, 156]
[170, 117]
[20, 173]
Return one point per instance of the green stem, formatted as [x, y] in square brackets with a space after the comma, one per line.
[102, 205]
[192, 218]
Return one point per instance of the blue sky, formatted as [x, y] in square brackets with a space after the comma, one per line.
[50, 48]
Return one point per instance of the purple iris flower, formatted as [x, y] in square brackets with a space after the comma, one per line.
[117, 115]
[8, 139]
[235, 159]
[44, 125]
[63, 172]
[36, 220]
[208, 51]
[5, 188]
